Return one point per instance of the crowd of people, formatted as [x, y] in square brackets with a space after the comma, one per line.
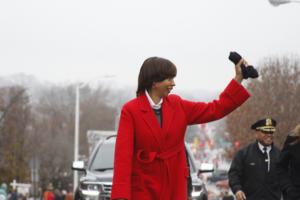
[49, 193]
[55, 194]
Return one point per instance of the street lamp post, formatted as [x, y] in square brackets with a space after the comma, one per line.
[279, 2]
[76, 135]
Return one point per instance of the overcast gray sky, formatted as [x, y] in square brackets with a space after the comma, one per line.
[72, 40]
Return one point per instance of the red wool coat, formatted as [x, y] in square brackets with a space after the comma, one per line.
[150, 162]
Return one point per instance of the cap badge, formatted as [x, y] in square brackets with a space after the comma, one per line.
[268, 122]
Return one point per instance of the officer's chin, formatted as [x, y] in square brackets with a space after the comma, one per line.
[268, 142]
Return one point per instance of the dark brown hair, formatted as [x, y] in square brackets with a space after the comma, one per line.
[154, 69]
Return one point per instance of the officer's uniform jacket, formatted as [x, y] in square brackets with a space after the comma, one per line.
[248, 173]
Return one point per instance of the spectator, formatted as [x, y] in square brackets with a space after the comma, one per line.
[48, 194]
[289, 165]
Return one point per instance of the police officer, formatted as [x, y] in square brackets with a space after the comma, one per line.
[253, 174]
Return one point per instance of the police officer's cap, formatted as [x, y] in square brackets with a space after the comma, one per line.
[267, 125]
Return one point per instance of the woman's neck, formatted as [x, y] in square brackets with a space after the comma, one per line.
[155, 97]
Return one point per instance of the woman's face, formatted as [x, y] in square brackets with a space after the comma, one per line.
[163, 88]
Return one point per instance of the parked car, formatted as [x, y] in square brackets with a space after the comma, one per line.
[96, 182]
[218, 175]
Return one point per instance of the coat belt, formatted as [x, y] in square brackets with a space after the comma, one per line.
[148, 156]
[145, 157]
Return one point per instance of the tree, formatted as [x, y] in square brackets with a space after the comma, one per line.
[54, 130]
[39, 125]
[275, 94]
[54, 125]
[97, 113]
[15, 124]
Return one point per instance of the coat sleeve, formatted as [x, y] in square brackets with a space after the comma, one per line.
[235, 172]
[232, 97]
[121, 187]
[283, 167]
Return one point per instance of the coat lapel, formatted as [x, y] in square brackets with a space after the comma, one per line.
[150, 119]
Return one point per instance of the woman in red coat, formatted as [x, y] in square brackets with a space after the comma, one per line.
[150, 160]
